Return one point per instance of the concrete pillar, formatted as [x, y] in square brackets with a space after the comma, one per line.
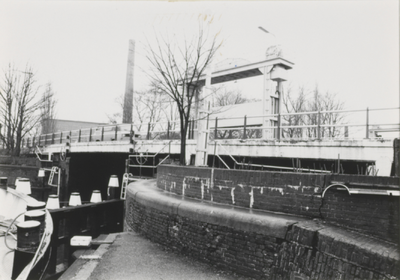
[266, 101]
[202, 125]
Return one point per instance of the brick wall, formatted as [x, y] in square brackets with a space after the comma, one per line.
[304, 250]
[13, 167]
[293, 193]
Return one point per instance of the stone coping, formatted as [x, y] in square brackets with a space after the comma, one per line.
[272, 224]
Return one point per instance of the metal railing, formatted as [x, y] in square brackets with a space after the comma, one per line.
[317, 125]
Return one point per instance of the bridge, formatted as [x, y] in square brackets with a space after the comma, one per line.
[251, 135]
[355, 148]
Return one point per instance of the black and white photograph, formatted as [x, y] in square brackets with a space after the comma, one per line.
[214, 140]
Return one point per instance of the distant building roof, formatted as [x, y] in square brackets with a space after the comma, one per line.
[66, 125]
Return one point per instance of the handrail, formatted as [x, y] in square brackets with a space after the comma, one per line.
[163, 129]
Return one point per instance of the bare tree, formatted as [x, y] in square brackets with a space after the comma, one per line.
[223, 98]
[177, 71]
[48, 110]
[318, 102]
[294, 105]
[150, 109]
[19, 107]
[117, 117]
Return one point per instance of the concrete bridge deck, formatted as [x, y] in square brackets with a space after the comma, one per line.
[377, 151]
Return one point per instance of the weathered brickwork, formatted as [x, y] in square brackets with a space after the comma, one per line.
[293, 193]
[309, 250]
[14, 171]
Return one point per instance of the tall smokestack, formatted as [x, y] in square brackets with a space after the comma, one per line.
[128, 98]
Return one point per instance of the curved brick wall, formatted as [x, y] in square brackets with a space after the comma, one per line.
[292, 193]
[257, 244]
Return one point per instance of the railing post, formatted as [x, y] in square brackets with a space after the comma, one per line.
[116, 132]
[319, 126]
[216, 129]
[45, 139]
[61, 135]
[279, 128]
[33, 141]
[39, 141]
[52, 138]
[90, 135]
[102, 133]
[168, 130]
[79, 136]
[367, 125]
[148, 131]
[244, 127]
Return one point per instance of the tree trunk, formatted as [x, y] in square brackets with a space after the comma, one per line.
[184, 128]
[182, 157]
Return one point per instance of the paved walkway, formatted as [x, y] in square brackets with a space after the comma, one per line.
[131, 256]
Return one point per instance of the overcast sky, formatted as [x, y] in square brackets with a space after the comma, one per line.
[350, 48]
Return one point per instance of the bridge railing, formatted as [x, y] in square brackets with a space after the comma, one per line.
[334, 124]
[352, 124]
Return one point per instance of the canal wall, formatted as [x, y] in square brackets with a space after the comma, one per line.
[255, 243]
[293, 193]
[13, 167]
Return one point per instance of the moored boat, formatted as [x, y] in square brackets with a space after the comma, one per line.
[18, 258]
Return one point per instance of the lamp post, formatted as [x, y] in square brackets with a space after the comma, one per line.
[273, 49]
